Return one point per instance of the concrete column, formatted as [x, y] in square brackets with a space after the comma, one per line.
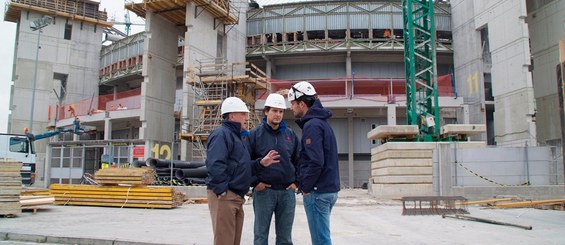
[107, 128]
[115, 93]
[348, 70]
[159, 80]
[391, 114]
[268, 67]
[466, 114]
[350, 150]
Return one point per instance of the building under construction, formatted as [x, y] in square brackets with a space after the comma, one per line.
[157, 93]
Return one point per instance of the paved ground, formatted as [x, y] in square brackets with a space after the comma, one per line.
[356, 219]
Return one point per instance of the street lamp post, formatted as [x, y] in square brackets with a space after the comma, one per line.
[36, 25]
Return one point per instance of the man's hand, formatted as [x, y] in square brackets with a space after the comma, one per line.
[270, 158]
[261, 186]
[293, 186]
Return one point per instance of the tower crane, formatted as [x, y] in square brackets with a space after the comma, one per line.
[127, 23]
[422, 105]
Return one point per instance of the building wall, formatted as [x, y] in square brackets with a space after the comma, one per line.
[546, 26]
[508, 48]
[78, 58]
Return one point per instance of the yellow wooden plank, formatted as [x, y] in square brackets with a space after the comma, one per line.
[527, 203]
[484, 201]
[72, 196]
[161, 189]
[60, 192]
[118, 201]
[135, 205]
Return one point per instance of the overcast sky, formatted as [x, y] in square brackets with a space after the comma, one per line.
[8, 29]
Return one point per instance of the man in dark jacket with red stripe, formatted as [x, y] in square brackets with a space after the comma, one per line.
[319, 167]
[275, 187]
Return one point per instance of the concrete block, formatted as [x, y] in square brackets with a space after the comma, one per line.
[424, 145]
[402, 163]
[396, 191]
[463, 129]
[393, 131]
[402, 171]
[193, 191]
[26, 237]
[403, 154]
[74, 240]
[406, 179]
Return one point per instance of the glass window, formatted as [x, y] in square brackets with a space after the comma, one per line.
[18, 144]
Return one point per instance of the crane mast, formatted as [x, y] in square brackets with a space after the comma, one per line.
[422, 106]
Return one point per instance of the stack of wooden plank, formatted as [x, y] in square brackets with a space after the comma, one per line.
[127, 176]
[117, 196]
[10, 188]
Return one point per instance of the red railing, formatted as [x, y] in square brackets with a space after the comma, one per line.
[130, 99]
[361, 87]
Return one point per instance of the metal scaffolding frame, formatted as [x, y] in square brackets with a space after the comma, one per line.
[212, 81]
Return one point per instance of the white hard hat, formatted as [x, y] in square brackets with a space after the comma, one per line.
[276, 101]
[300, 89]
[233, 104]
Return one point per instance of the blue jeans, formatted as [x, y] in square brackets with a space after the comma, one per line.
[282, 204]
[318, 207]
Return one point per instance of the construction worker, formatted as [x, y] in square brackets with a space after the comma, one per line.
[275, 187]
[230, 171]
[319, 168]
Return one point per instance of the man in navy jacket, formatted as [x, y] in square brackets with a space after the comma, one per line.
[274, 190]
[319, 168]
[230, 171]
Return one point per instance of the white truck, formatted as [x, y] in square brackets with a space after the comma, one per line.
[19, 147]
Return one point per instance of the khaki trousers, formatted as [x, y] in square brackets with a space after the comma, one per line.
[227, 217]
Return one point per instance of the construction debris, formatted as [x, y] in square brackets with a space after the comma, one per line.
[10, 188]
[128, 176]
[489, 221]
[117, 196]
[432, 205]
[34, 203]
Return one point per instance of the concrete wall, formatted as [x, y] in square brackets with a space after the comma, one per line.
[159, 84]
[78, 58]
[547, 28]
[485, 173]
[509, 49]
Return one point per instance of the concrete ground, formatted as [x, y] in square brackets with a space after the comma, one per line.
[357, 218]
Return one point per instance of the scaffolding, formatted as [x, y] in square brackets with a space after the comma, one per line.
[223, 11]
[86, 11]
[212, 81]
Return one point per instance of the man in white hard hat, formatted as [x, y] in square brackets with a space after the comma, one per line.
[318, 175]
[230, 171]
[275, 187]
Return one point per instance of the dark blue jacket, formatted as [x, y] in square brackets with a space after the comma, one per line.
[228, 162]
[319, 167]
[263, 139]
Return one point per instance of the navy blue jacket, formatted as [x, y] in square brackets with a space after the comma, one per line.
[228, 162]
[263, 139]
[319, 167]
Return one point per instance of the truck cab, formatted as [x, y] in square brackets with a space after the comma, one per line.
[19, 147]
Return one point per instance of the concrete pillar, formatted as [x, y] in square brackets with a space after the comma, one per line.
[115, 93]
[268, 66]
[159, 81]
[348, 70]
[107, 128]
[350, 150]
[391, 114]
